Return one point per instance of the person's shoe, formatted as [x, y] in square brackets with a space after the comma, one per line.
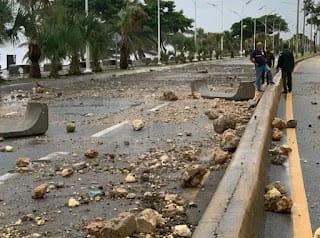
[260, 90]
[271, 82]
[284, 92]
[289, 90]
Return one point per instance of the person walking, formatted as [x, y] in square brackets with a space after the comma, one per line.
[259, 58]
[270, 61]
[286, 64]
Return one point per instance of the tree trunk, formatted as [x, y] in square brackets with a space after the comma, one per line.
[74, 65]
[34, 55]
[96, 64]
[54, 69]
[124, 53]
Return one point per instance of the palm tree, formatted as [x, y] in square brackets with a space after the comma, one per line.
[132, 18]
[26, 21]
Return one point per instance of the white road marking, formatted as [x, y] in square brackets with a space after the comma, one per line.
[109, 129]
[53, 155]
[6, 176]
[158, 107]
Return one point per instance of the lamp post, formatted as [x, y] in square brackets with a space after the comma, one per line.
[159, 34]
[88, 68]
[297, 33]
[255, 27]
[195, 31]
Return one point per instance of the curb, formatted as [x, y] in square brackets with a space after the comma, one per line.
[236, 208]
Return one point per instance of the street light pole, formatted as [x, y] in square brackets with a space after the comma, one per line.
[88, 68]
[221, 46]
[297, 33]
[195, 31]
[254, 33]
[159, 35]
[265, 32]
[241, 38]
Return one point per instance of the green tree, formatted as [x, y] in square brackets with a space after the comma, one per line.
[5, 19]
[132, 18]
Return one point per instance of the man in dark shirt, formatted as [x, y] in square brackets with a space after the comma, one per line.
[286, 63]
[258, 57]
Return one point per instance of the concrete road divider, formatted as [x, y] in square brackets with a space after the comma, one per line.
[236, 208]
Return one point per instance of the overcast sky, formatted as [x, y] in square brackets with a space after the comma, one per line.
[209, 16]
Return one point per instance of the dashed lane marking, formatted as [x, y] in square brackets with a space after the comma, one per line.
[109, 129]
[300, 213]
[158, 107]
[5, 177]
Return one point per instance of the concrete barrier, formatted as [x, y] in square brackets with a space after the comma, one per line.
[236, 209]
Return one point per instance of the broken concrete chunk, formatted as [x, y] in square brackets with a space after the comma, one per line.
[276, 198]
[131, 178]
[279, 159]
[94, 227]
[220, 156]
[66, 172]
[172, 209]
[70, 127]
[292, 124]
[119, 192]
[73, 202]
[230, 140]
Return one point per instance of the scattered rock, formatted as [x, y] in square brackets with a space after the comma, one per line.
[95, 193]
[70, 127]
[280, 150]
[196, 95]
[276, 134]
[279, 123]
[193, 175]
[314, 103]
[220, 156]
[7, 148]
[131, 196]
[66, 172]
[182, 230]
[22, 162]
[91, 153]
[230, 140]
[292, 124]
[279, 159]
[277, 200]
[148, 220]
[212, 114]
[131, 178]
[119, 192]
[73, 202]
[170, 96]
[224, 122]
[172, 209]
[94, 227]
[40, 191]
[137, 125]
[122, 226]
[1, 139]
[79, 166]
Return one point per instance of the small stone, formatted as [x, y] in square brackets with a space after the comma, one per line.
[220, 156]
[172, 209]
[318, 116]
[1, 139]
[59, 185]
[196, 95]
[79, 166]
[66, 172]
[212, 114]
[8, 148]
[188, 134]
[130, 178]
[279, 159]
[171, 197]
[91, 153]
[230, 140]
[95, 193]
[70, 127]
[22, 162]
[182, 230]
[276, 134]
[279, 123]
[73, 203]
[193, 175]
[119, 192]
[40, 191]
[148, 220]
[292, 124]
[131, 196]
[126, 143]
[137, 125]
[314, 103]
[170, 96]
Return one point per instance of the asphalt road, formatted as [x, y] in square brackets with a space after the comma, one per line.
[306, 102]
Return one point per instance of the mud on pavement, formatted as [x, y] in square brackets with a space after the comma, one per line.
[175, 155]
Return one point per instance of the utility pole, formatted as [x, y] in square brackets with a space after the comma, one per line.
[88, 68]
[297, 32]
[195, 31]
[159, 34]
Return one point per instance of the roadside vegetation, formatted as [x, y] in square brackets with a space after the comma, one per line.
[58, 30]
